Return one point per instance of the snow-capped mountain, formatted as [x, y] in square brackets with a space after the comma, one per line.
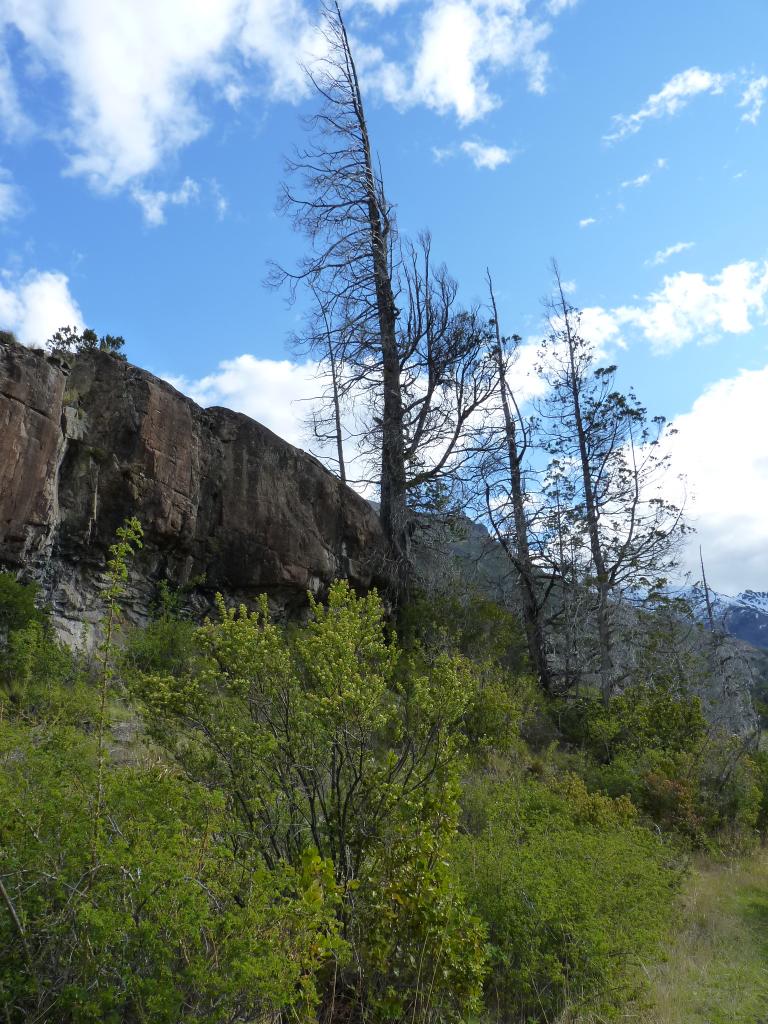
[744, 616]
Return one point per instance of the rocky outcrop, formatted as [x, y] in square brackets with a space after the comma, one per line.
[225, 504]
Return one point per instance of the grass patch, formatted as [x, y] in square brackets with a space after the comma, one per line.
[716, 971]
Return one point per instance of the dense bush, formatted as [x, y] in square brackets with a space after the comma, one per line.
[131, 903]
[330, 822]
[149, 918]
[652, 743]
[332, 740]
[575, 893]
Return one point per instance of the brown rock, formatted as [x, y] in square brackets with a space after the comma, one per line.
[87, 441]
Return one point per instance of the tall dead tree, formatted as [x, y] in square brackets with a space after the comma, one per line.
[507, 497]
[419, 374]
[341, 207]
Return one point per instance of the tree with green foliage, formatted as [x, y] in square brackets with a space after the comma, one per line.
[611, 464]
[332, 741]
[69, 339]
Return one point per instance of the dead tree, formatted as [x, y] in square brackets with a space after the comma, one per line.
[416, 376]
[506, 500]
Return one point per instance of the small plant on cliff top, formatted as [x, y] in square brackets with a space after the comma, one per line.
[67, 339]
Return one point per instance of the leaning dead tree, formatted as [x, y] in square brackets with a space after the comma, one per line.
[416, 375]
[507, 500]
[335, 197]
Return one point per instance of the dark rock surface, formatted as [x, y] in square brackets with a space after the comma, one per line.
[87, 440]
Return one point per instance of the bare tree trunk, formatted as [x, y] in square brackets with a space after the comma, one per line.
[337, 417]
[710, 613]
[394, 513]
[532, 609]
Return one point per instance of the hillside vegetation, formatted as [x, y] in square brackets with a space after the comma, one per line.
[348, 821]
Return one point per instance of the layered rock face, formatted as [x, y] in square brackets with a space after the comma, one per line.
[225, 504]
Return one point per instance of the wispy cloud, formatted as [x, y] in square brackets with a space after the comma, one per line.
[485, 156]
[153, 204]
[753, 98]
[586, 222]
[664, 254]
[220, 201]
[669, 100]
[10, 196]
[638, 182]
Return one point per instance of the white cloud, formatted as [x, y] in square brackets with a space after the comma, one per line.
[691, 307]
[602, 329]
[664, 254]
[153, 203]
[720, 447]
[276, 392]
[555, 7]
[488, 157]
[754, 99]
[380, 6]
[524, 378]
[36, 305]
[461, 41]
[586, 222]
[670, 99]
[10, 205]
[638, 182]
[131, 73]
[130, 77]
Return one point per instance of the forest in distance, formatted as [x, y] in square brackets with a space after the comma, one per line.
[419, 804]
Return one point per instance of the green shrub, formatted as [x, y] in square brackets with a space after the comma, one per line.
[653, 744]
[573, 890]
[331, 741]
[166, 644]
[150, 919]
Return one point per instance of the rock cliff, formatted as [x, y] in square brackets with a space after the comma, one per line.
[225, 504]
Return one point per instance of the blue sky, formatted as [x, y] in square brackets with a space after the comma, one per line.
[142, 148]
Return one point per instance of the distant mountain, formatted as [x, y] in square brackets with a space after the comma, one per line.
[744, 616]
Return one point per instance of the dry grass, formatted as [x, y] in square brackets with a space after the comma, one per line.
[716, 970]
[716, 965]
